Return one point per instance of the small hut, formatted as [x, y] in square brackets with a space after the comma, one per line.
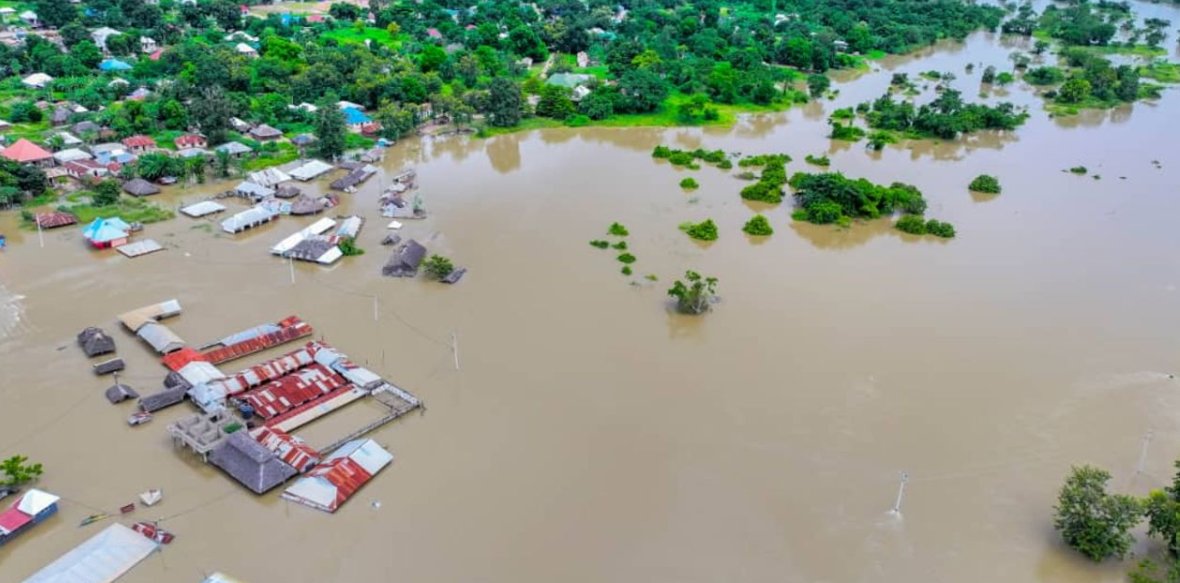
[306, 205]
[391, 239]
[55, 219]
[109, 366]
[405, 261]
[95, 342]
[287, 191]
[140, 187]
[119, 392]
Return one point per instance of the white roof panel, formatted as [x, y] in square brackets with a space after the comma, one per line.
[103, 558]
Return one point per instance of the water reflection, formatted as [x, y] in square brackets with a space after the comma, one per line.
[832, 237]
[504, 153]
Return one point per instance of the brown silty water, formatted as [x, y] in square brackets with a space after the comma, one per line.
[591, 434]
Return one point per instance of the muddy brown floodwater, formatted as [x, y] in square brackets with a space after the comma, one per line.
[592, 435]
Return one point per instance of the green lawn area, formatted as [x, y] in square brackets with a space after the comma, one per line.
[286, 152]
[600, 71]
[875, 54]
[1131, 51]
[376, 35]
[30, 131]
[132, 210]
[1161, 71]
[356, 141]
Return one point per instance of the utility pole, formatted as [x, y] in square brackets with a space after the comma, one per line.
[455, 348]
[40, 235]
[291, 265]
[374, 308]
[900, 492]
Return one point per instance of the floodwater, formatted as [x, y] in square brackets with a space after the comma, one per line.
[590, 434]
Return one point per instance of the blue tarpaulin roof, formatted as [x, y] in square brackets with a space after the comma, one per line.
[353, 116]
[114, 65]
[103, 230]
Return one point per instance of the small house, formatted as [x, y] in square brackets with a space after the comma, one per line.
[113, 66]
[335, 480]
[148, 45]
[71, 155]
[55, 219]
[251, 464]
[107, 233]
[265, 133]
[355, 118]
[193, 153]
[61, 116]
[253, 191]
[139, 187]
[69, 140]
[86, 169]
[191, 141]
[37, 81]
[246, 50]
[31, 509]
[139, 144]
[303, 140]
[86, 127]
[30, 18]
[239, 125]
[26, 152]
[95, 342]
[405, 261]
[235, 149]
[100, 36]
[140, 94]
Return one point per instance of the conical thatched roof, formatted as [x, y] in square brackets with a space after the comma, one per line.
[95, 342]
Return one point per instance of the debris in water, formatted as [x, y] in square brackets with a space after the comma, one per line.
[151, 497]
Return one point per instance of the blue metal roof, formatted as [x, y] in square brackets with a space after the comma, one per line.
[114, 65]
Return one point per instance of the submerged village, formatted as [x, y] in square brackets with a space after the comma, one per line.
[238, 240]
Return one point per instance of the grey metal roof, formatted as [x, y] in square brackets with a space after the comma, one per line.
[252, 465]
[160, 337]
[119, 393]
[234, 148]
[405, 261]
[164, 398]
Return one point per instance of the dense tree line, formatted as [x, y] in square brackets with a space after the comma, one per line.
[434, 58]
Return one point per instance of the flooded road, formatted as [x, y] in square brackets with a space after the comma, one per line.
[590, 434]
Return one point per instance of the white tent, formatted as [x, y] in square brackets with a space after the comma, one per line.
[103, 558]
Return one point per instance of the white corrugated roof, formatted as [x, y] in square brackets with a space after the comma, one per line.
[199, 372]
[366, 453]
[200, 209]
[316, 228]
[103, 558]
[311, 170]
[35, 501]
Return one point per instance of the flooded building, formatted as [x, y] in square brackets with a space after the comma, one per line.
[329, 485]
[251, 464]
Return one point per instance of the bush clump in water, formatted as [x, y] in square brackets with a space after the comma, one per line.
[985, 183]
[689, 184]
[695, 294]
[703, 231]
[1079, 170]
[912, 224]
[758, 226]
[818, 160]
[617, 230]
[600, 244]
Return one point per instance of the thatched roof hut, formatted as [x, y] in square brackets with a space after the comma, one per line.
[252, 465]
[306, 205]
[55, 219]
[288, 191]
[140, 187]
[95, 342]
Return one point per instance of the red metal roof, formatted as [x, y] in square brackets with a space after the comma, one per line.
[25, 151]
[139, 141]
[54, 219]
[292, 450]
[292, 329]
[288, 392]
[12, 519]
[155, 56]
[179, 359]
[190, 141]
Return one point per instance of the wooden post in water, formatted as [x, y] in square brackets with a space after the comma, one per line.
[455, 348]
[900, 492]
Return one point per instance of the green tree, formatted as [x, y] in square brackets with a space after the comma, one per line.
[599, 104]
[437, 267]
[505, 103]
[1162, 508]
[18, 471]
[1074, 90]
[55, 13]
[72, 34]
[555, 102]
[106, 193]
[1093, 521]
[211, 111]
[695, 294]
[330, 131]
[641, 91]
[818, 84]
[87, 54]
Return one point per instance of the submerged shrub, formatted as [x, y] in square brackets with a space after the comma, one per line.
[985, 183]
[702, 231]
[758, 226]
[912, 224]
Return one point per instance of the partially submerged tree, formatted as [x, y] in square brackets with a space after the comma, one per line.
[18, 471]
[437, 267]
[696, 296]
[1093, 521]
[985, 183]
